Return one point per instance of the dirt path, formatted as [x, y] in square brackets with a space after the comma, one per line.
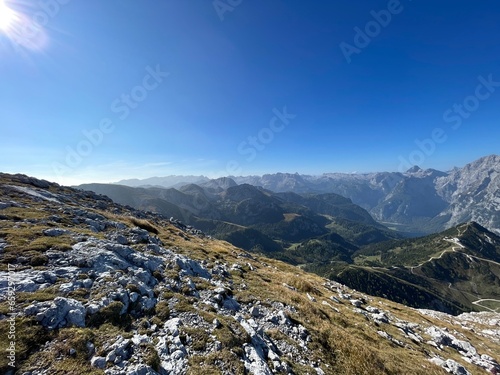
[478, 303]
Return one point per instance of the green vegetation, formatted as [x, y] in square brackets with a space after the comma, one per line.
[199, 337]
[162, 311]
[152, 359]
[110, 314]
[428, 272]
[252, 240]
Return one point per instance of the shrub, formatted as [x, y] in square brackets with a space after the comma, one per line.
[110, 314]
[39, 260]
[162, 311]
[144, 224]
[152, 358]
[133, 288]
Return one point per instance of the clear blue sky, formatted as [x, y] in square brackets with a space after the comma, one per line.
[351, 102]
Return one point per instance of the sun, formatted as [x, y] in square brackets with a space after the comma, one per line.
[23, 31]
[7, 16]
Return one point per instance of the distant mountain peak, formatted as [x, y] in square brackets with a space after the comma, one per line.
[414, 169]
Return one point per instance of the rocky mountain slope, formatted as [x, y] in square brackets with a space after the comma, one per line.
[91, 287]
[473, 193]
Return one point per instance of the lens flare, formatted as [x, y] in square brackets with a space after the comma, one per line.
[25, 33]
[7, 16]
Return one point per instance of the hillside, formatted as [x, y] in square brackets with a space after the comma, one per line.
[252, 217]
[327, 234]
[454, 271]
[103, 288]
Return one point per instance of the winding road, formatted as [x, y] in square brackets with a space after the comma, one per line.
[456, 241]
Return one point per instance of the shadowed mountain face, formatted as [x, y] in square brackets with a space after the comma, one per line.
[269, 221]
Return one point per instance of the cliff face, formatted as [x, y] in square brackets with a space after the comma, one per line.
[473, 193]
[89, 287]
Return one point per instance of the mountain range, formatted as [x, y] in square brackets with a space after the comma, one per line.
[417, 201]
[252, 217]
[89, 286]
[326, 233]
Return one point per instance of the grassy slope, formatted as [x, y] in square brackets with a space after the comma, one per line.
[344, 340]
[437, 276]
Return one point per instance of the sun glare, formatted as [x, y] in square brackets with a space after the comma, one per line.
[24, 32]
[7, 16]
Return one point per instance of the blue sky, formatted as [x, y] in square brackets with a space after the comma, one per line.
[103, 90]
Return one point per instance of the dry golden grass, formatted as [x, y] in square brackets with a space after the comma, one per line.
[339, 339]
[143, 224]
[344, 340]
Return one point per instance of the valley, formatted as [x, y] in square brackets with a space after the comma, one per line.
[320, 231]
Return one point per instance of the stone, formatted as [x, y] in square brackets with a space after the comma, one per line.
[62, 312]
[311, 298]
[455, 368]
[345, 296]
[172, 326]
[372, 310]
[178, 354]
[90, 347]
[356, 302]
[231, 304]
[76, 317]
[111, 356]
[255, 311]
[253, 362]
[98, 362]
[55, 232]
[134, 296]
[141, 369]
[191, 267]
[334, 299]
[121, 239]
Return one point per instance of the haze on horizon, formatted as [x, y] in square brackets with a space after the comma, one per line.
[98, 91]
